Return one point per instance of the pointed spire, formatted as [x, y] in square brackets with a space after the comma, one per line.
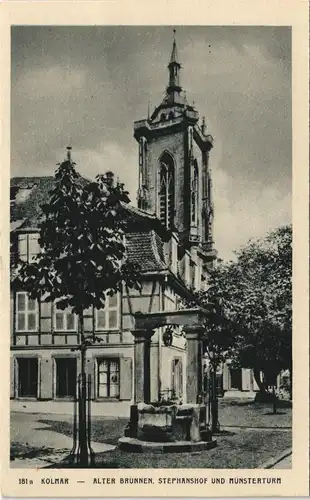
[174, 69]
[203, 125]
[174, 59]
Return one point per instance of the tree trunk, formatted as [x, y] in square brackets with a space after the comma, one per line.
[261, 386]
[83, 448]
[274, 400]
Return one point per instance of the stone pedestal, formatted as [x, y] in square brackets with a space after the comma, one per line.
[142, 365]
[194, 363]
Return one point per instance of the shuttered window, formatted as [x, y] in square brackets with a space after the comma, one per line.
[28, 246]
[108, 378]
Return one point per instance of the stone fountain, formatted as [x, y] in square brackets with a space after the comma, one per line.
[168, 426]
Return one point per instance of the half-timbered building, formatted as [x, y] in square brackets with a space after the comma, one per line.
[172, 241]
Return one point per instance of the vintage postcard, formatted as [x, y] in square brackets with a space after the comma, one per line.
[154, 249]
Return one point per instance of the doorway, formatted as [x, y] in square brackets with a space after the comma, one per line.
[65, 377]
[236, 379]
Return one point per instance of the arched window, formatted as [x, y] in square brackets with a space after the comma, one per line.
[163, 117]
[194, 194]
[166, 191]
[171, 115]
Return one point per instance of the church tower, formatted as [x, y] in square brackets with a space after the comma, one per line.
[174, 175]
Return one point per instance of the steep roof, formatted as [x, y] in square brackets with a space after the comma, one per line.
[145, 246]
[146, 250]
[27, 195]
[25, 211]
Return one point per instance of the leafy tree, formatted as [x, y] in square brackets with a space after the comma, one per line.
[83, 252]
[255, 291]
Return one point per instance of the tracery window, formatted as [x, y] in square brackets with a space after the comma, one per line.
[166, 191]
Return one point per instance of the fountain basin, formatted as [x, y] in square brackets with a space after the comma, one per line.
[134, 445]
[165, 428]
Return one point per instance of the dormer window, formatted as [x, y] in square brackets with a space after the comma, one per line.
[166, 192]
[28, 246]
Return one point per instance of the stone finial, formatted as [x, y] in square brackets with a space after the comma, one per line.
[203, 125]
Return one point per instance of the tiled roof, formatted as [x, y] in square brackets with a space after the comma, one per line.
[142, 220]
[146, 250]
[145, 246]
[27, 209]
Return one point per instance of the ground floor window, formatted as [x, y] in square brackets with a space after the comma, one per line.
[236, 378]
[28, 377]
[177, 378]
[65, 377]
[108, 378]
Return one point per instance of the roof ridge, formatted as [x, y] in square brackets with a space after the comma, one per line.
[31, 177]
[43, 177]
[155, 249]
[138, 211]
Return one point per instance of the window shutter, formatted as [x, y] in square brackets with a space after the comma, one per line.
[246, 379]
[126, 379]
[90, 370]
[12, 377]
[46, 378]
[226, 377]
[181, 378]
[23, 247]
[33, 246]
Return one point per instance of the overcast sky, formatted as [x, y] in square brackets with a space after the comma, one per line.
[85, 86]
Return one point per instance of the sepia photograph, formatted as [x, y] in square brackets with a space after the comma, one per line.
[151, 247]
